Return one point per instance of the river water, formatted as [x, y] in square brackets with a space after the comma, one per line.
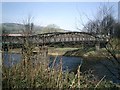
[68, 63]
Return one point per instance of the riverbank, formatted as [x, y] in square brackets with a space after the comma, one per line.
[51, 50]
[91, 52]
[92, 60]
[100, 62]
[59, 51]
[17, 50]
[75, 52]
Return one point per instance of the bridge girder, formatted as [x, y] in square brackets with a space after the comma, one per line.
[56, 37]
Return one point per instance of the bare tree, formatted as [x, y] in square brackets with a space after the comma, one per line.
[27, 48]
[28, 27]
[105, 25]
[117, 30]
[102, 23]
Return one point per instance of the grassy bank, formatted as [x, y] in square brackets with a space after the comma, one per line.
[59, 51]
[92, 53]
[40, 75]
[99, 61]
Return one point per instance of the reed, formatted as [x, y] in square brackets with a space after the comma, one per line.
[39, 74]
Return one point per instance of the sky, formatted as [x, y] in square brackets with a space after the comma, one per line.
[66, 15]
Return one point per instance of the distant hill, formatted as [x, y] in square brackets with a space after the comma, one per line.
[18, 28]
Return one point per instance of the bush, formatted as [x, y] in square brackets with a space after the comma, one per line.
[40, 75]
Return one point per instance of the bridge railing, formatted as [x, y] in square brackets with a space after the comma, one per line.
[56, 37]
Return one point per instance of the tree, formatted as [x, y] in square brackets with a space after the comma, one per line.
[28, 46]
[5, 30]
[117, 30]
[105, 24]
[28, 27]
[51, 28]
[92, 27]
[103, 27]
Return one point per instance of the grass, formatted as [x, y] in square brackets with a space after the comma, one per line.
[62, 49]
[66, 49]
[59, 51]
[39, 75]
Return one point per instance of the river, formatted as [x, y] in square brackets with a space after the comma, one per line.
[68, 63]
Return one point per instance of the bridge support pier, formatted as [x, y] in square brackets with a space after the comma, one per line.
[5, 47]
[41, 54]
[97, 46]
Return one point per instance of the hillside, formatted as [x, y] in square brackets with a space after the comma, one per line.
[18, 28]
